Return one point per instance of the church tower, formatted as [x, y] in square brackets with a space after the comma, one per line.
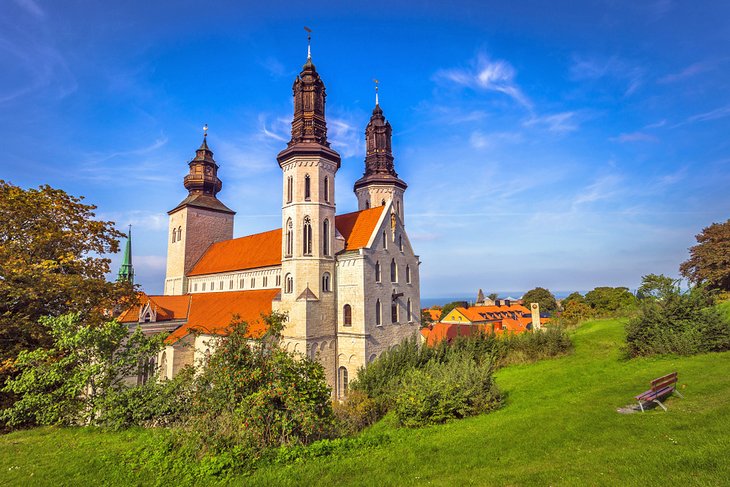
[309, 166]
[198, 221]
[380, 183]
[126, 270]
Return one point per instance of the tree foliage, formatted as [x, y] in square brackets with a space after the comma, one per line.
[682, 323]
[542, 296]
[657, 286]
[450, 306]
[709, 260]
[574, 297]
[610, 300]
[68, 382]
[50, 264]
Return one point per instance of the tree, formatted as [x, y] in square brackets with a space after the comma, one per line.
[493, 297]
[426, 319]
[657, 286]
[575, 311]
[67, 383]
[574, 297]
[610, 300]
[50, 264]
[542, 296]
[709, 260]
[450, 306]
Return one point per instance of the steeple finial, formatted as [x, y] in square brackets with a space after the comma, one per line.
[309, 43]
[205, 130]
[376, 91]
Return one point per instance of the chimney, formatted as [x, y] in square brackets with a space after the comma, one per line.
[535, 310]
[507, 302]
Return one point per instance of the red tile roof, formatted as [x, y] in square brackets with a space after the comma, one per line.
[166, 307]
[212, 313]
[435, 314]
[264, 249]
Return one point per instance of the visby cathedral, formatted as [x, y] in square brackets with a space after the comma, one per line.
[349, 284]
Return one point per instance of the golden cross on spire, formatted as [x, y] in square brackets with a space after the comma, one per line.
[309, 42]
[376, 91]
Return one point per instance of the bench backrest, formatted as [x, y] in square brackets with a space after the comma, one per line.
[662, 382]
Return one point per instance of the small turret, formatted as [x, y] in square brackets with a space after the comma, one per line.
[126, 271]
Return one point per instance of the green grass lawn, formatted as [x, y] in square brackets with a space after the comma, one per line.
[559, 426]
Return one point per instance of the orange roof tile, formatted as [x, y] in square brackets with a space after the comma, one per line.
[211, 313]
[166, 307]
[259, 250]
[435, 314]
[264, 249]
[358, 227]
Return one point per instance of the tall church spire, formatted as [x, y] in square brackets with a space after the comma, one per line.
[126, 271]
[309, 125]
[378, 151]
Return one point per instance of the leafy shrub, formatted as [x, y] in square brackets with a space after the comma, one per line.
[611, 301]
[552, 341]
[355, 413]
[438, 392]
[683, 323]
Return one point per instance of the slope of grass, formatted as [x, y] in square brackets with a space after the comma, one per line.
[558, 427]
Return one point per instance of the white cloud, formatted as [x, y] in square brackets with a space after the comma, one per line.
[487, 75]
[31, 7]
[630, 75]
[559, 123]
[635, 137]
[688, 72]
[481, 140]
[602, 188]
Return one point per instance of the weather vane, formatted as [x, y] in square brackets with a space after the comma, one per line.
[376, 91]
[205, 130]
[309, 42]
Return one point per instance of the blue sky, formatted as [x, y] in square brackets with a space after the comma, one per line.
[560, 144]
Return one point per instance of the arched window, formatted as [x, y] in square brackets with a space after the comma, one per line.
[288, 284]
[377, 271]
[289, 237]
[394, 311]
[367, 204]
[408, 274]
[203, 286]
[326, 189]
[400, 242]
[326, 237]
[382, 203]
[377, 313]
[385, 240]
[289, 189]
[342, 382]
[409, 311]
[393, 271]
[307, 187]
[307, 237]
[347, 315]
[326, 282]
[174, 235]
[179, 234]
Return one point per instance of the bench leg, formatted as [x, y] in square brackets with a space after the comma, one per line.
[659, 402]
[678, 393]
[641, 406]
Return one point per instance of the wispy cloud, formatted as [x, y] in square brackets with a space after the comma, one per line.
[688, 72]
[721, 112]
[635, 137]
[273, 66]
[559, 123]
[31, 7]
[602, 188]
[656, 125]
[488, 75]
[631, 76]
[481, 140]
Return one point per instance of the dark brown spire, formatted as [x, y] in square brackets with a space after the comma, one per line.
[309, 124]
[378, 152]
[202, 181]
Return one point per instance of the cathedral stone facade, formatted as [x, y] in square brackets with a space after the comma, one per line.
[349, 284]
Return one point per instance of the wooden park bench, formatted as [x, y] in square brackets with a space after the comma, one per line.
[660, 389]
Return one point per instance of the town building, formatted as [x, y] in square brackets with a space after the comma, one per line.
[349, 284]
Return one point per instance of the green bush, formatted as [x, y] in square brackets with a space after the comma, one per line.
[552, 341]
[439, 392]
[355, 413]
[682, 323]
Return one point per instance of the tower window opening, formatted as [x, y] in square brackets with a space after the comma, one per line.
[179, 234]
[400, 242]
[385, 241]
[230, 284]
[377, 271]
[307, 187]
[326, 189]
[289, 189]
[326, 237]
[382, 203]
[307, 237]
[367, 204]
[289, 284]
[266, 281]
[289, 237]
[409, 311]
[394, 311]
[253, 282]
[174, 235]
[377, 313]
[347, 315]
[393, 271]
[326, 282]
[342, 382]
[408, 274]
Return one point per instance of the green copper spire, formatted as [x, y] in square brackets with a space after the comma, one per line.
[126, 271]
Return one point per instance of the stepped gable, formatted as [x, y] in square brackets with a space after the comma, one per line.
[264, 249]
[211, 313]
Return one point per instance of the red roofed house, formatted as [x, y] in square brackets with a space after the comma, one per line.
[348, 283]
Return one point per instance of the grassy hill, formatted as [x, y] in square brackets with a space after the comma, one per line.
[558, 427]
